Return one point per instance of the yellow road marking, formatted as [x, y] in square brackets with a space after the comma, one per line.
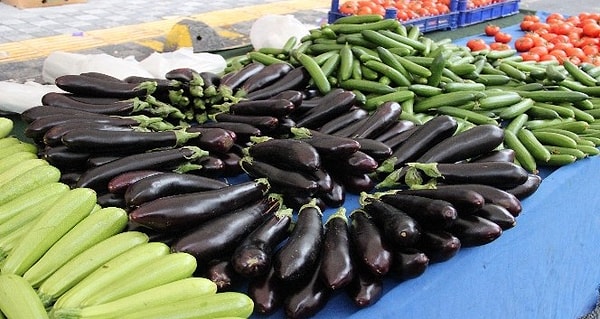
[144, 33]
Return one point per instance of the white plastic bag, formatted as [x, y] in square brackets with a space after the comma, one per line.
[18, 97]
[273, 31]
[158, 64]
[61, 63]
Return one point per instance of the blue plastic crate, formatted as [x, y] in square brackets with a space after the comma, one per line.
[494, 11]
[447, 21]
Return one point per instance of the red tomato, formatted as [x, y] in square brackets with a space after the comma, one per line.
[531, 17]
[527, 25]
[499, 46]
[539, 50]
[502, 37]
[590, 50]
[477, 44]
[548, 57]
[591, 30]
[491, 30]
[349, 7]
[528, 56]
[555, 16]
[524, 44]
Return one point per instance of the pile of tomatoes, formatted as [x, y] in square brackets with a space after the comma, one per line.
[474, 4]
[406, 9]
[576, 38]
[557, 38]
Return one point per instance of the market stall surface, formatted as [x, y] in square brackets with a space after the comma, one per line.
[543, 268]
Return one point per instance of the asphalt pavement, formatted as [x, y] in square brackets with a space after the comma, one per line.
[136, 28]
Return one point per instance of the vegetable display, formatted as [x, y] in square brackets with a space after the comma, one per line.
[225, 178]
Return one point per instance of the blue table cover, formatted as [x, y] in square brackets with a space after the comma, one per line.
[546, 267]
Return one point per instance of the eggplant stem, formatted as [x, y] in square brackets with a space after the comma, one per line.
[339, 213]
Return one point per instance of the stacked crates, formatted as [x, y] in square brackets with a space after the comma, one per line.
[446, 21]
[469, 15]
[462, 13]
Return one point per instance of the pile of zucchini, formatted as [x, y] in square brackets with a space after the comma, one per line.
[440, 144]
[64, 256]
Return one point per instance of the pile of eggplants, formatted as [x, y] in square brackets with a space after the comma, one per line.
[237, 170]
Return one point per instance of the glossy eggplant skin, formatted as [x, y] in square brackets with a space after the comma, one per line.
[527, 188]
[287, 153]
[473, 230]
[473, 142]
[266, 76]
[498, 215]
[124, 107]
[39, 127]
[503, 175]
[310, 297]
[374, 148]
[337, 268]
[252, 257]
[357, 163]
[334, 197]
[217, 237]
[183, 211]
[492, 195]
[96, 86]
[242, 131]
[465, 201]
[295, 79]
[400, 126]
[222, 274]
[371, 250]
[424, 138]
[353, 115]
[328, 145]
[92, 140]
[53, 136]
[398, 228]
[98, 177]
[265, 123]
[41, 111]
[213, 139]
[274, 107]
[366, 288]
[166, 184]
[430, 213]
[378, 121]
[438, 245]
[299, 256]
[267, 291]
[283, 180]
[409, 263]
[121, 182]
[324, 112]
[64, 158]
[502, 155]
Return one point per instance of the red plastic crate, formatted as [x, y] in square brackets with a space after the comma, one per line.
[493, 11]
[447, 21]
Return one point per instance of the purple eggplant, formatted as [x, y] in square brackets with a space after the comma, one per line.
[252, 257]
[219, 236]
[371, 250]
[184, 211]
[299, 256]
[337, 266]
[166, 184]
[98, 177]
